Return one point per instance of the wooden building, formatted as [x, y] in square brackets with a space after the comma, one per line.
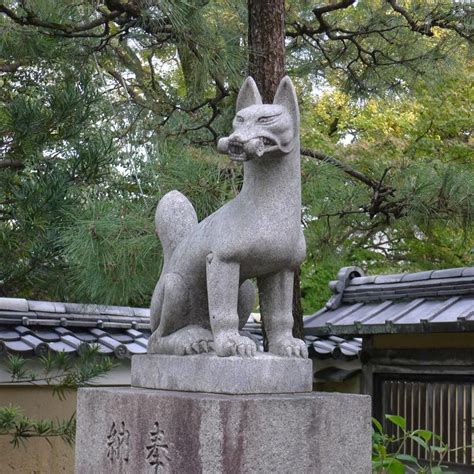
[417, 354]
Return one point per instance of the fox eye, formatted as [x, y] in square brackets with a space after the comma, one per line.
[238, 118]
[265, 119]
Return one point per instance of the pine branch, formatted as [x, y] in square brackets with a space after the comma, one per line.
[375, 185]
[425, 27]
[70, 30]
[20, 428]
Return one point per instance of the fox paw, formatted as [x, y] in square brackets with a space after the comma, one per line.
[227, 345]
[186, 341]
[289, 347]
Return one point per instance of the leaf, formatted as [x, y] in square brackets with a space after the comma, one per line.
[377, 425]
[406, 458]
[397, 420]
[420, 441]
[396, 467]
[425, 434]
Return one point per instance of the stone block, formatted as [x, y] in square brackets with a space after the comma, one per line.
[134, 430]
[264, 373]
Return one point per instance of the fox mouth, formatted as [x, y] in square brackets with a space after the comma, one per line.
[243, 151]
[236, 149]
[268, 141]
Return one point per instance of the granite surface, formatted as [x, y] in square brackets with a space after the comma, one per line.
[133, 430]
[264, 373]
[205, 292]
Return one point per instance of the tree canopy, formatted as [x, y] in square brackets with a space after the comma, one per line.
[106, 106]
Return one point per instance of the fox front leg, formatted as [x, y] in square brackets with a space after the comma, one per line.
[276, 305]
[223, 292]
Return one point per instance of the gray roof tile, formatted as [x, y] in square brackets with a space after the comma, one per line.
[31, 340]
[22, 330]
[394, 278]
[18, 346]
[121, 337]
[116, 310]
[469, 271]
[82, 308]
[14, 315]
[46, 335]
[142, 341]
[324, 347]
[62, 331]
[108, 325]
[110, 342]
[349, 349]
[46, 306]
[72, 341]
[362, 280]
[9, 335]
[448, 273]
[104, 349]
[13, 304]
[134, 333]
[98, 332]
[61, 346]
[141, 312]
[86, 336]
[417, 276]
[135, 348]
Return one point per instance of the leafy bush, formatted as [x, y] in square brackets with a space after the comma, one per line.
[387, 451]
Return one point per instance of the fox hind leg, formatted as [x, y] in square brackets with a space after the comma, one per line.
[169, 315]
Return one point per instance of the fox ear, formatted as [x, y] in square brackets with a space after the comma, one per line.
[248, 95]
[286, 96]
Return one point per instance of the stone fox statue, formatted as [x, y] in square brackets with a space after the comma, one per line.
[204, 294]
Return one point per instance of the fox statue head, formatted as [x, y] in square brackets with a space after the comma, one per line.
[263, 129]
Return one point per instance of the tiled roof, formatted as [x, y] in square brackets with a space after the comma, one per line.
[319, 347]
[36, 327]
[431, 301]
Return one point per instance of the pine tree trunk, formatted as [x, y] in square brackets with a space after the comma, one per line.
[266, 40]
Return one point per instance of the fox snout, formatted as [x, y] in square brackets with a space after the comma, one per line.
[240, 150]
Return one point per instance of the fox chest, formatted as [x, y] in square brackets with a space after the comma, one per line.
[262, 246]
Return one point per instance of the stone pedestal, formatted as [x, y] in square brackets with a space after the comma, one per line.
[264, 373]
[137, 430]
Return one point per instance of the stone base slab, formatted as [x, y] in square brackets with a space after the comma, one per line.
[264, 373]
[133, 430]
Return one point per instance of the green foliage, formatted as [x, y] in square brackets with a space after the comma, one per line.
[50, 129]
[387, 456]
[60, 370]
[420, 144]
[63, 373]
[20, 427]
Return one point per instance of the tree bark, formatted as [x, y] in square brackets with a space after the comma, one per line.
[266, 41]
